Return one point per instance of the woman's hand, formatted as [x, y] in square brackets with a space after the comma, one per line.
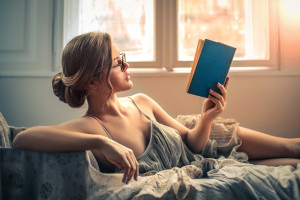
[123, 158]
[214, 105]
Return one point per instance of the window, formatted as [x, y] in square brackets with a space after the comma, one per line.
[164, 34]
[129, 22]
[131, 27]
[228, 21]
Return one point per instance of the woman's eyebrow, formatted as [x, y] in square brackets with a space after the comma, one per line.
[116, 58]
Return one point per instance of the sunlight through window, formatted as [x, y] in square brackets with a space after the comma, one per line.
[147, 32]
[129, 22]
[239, 23]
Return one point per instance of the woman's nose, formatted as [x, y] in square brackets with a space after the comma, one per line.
[126, 65]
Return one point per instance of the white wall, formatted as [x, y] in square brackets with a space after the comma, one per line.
[267, 101]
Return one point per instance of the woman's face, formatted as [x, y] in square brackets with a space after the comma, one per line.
[120, 80]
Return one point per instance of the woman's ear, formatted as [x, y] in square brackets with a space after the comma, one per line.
[93, 84]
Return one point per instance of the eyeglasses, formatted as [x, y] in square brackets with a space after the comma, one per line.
[121, 62]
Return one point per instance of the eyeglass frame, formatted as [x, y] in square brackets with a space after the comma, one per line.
[122, 64]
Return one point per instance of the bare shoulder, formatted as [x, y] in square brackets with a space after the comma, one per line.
[142, 98]
[146, 103]
[84, 125]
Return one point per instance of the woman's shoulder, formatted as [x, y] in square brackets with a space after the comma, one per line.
[83, 124]
[145, 102]
[142, 98]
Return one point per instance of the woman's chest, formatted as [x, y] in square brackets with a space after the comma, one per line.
[134, 134]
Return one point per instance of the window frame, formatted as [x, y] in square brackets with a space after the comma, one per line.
[272, 62]
[165, 36]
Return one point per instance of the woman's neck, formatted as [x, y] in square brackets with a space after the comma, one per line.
[102, 106]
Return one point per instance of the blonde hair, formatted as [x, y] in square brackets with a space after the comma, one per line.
[84, 57]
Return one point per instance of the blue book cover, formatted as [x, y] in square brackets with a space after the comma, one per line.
[211, 65]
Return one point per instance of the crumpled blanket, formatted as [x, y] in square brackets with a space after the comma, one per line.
[35, 175]
[75, 175]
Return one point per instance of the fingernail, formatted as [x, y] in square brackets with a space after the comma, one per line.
[210, 90]
[219, 84]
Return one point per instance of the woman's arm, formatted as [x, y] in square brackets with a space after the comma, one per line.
[55, 138]
[197, 137]
[212, 107]
[64, 137]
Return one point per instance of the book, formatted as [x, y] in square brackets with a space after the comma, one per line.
[211, 65]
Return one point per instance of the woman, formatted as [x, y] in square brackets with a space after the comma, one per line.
[118, 130]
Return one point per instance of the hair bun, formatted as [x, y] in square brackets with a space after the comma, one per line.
[59, 87]
[74, 98]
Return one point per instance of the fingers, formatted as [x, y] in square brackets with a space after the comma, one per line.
[136, 174]
[217, 102]
[217, 96]
[223, 89]
[123, 158]
[131, 167]
[218, 99]
[226, 83]
[135, 167]
[126, 167]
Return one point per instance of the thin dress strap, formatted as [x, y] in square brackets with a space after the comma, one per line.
[136, 105]
[106, 131]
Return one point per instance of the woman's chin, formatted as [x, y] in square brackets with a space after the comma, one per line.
[125, 87]
[130, 84]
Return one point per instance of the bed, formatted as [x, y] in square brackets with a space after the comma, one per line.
[76, 175]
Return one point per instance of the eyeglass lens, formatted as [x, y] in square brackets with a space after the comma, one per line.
[123, 59]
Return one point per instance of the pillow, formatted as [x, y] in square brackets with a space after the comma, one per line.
[188, 121]
[4, 132]
[7, 133]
